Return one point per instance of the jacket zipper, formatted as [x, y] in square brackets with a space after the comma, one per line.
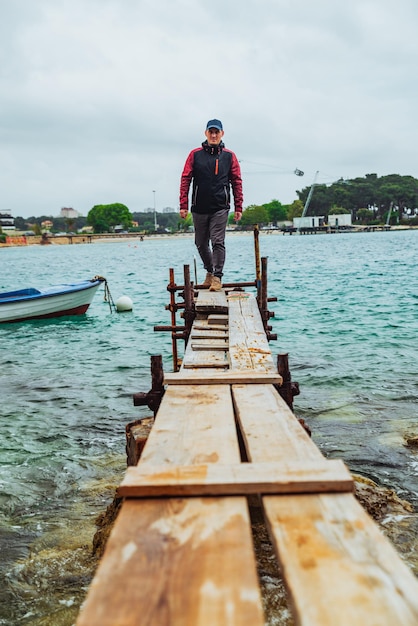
[216, 167]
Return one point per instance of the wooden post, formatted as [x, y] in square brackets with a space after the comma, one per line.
[189, 312]
[287, 389]
[171, 287]
[257, 263]
[154, 396]
[263, 303]
[264, 300]
[157, 373]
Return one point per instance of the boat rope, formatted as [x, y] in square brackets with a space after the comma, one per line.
[107, 295]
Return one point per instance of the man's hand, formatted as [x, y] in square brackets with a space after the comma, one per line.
[183, 213]
[237, 216]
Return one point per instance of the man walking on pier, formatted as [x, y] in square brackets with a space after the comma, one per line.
[214, 170]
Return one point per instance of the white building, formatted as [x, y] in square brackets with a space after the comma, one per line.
[69, 213]
[313, 221]
[340, 219]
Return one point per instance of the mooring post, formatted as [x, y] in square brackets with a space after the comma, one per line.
[257, 263]
[173, 309]
[189, 311]
[154, 396]
[263, 303]
[287, 389]
[265, 313]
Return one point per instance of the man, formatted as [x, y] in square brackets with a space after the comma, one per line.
[214, 170]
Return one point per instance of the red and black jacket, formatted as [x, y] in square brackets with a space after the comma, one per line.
[214, 170]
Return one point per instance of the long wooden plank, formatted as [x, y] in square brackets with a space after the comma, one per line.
[176, 561]
[338, 567]
[224, 378]
[195, 424]
[269, 429]
[248, 345]
[238, 479]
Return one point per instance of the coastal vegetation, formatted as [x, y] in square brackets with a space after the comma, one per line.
[370, 200]
[105, 217]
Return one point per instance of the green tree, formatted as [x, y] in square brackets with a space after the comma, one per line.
[69, 222]
[341, 196]
[365, 216]
[320, 202]
[294, 210]
[276, 211]
[104, 217]
[337, 210]
[368, 191]
[254, 215]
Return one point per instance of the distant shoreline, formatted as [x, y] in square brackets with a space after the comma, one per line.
[23, 241]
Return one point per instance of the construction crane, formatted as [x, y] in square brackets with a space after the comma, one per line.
[308, 199]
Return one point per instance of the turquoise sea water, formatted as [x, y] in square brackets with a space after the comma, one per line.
[347, 314]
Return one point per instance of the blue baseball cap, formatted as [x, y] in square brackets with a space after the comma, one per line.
[214, 124]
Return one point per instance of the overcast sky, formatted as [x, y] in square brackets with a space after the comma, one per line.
[101, 100]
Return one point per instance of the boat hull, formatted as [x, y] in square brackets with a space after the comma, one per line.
[31, 304]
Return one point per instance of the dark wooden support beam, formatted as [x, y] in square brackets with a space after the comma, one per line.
[153, 397]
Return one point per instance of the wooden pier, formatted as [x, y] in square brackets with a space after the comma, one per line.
[181, 551]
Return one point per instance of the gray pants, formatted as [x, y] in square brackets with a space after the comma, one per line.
[211, 228]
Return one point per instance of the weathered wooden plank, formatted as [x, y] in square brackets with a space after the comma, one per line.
[209, 334]
[211, 301]
[225, 378]
[205, 358]
[218, 320]
[216, 363]
[337, 565]
[237, 479]
[198, 325]
[197, 359]
[210, 345]
[269, 429]
[240, 295]
[176, 561]
[187, 431]
[248, 345]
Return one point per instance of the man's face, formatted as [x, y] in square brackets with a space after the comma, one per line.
[214, 136]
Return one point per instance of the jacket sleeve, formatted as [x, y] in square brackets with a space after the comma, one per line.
[186, 179]
[236, 183]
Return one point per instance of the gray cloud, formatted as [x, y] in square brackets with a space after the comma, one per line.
[101, 101]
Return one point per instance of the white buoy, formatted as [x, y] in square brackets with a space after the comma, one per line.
[124, 304]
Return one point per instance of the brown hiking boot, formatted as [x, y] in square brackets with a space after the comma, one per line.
[216, 284]
[208, 280]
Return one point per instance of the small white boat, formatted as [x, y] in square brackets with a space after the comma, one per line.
[56, 301]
